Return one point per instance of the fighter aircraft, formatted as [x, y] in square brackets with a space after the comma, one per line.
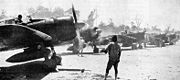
[47, 32]
[140, 37]
[127, 39]
[172, 38]
[86, 36]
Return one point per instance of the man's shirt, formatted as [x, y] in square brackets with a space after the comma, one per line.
[113, 51]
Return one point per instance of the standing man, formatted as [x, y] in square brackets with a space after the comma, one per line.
[78, 46]
[114, 52]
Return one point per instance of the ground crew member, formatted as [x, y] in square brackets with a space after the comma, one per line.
[114, 52]
[19, 19]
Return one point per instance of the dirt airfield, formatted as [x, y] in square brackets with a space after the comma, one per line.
[142, 64]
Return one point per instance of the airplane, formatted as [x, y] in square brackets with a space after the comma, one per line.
[7, 21]
[127, 39]
[86, 36]
[157, 39]
[39, 32]
[172, 38]
[140, 38]
[92, 37]
[161, 39]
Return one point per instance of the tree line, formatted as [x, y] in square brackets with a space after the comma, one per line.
[43, 12]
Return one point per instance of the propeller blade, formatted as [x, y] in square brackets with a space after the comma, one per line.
[74, 14]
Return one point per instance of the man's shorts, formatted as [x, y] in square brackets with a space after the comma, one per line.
[112, 63]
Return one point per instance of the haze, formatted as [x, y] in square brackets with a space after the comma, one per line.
[152, 12]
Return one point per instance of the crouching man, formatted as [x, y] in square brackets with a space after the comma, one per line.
[50, 57]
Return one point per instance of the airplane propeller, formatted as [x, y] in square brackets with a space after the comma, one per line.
[77, 46]
[78, 25]
[74, 14]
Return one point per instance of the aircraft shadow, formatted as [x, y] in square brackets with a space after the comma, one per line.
[33, 70]
[151, 46]
[84, 53]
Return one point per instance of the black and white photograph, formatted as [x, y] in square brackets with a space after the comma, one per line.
[89, 39]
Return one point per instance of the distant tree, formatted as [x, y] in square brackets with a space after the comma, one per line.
[173, 30]
[127, 28]
[118, 29]
[102, 26]
[121, 27]
[111, 23]
[133, 27]
[111, 27]
[138, 20]
[40, 12]
[69, 12]
[58, 12]
[91, 18]
[167, 30]
[43, 12]
[31, 11]
[155, 28]
[147, 29]
[3, 14]
[106, 27]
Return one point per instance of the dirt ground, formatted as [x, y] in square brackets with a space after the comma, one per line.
[142, 64]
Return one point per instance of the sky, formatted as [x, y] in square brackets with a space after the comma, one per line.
[152, 12]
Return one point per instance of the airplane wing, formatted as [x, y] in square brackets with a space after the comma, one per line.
[18, 36]
[13, 36]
